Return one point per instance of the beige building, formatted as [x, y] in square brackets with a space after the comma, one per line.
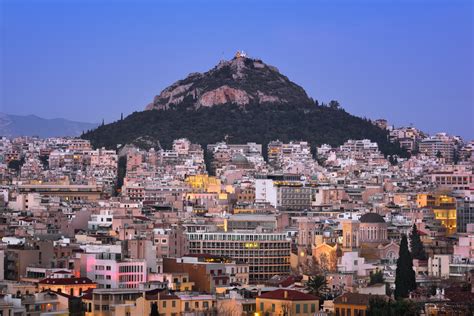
[287, 302]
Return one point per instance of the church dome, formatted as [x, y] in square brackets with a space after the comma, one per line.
[371, 218]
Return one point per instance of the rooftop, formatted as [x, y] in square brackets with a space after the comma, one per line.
[288, 295]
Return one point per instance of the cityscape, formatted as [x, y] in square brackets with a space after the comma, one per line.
[234, 192]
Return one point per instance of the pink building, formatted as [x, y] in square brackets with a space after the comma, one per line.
[465, 248]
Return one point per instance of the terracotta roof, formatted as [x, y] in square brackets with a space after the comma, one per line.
[356, 298]
[62, 272]
[58, 293]
[87, 295]
[66, 281]
[153, 294]
[169, 297]
[283, 281]
[142, 218]
[288, 295]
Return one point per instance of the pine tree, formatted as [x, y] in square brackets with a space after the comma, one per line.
[416, 246]
[316, 284]
[405, 280]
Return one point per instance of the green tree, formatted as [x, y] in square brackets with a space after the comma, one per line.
[121, 173]
[416, 246]
[154, 310]
[439, 155]
[16, 164]
[376, 278]
[404, 307]
[333, 104]
[316, 284]
[378, 307]
[405, 279]
[382, 307]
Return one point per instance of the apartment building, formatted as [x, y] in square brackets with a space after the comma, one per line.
[267, 254]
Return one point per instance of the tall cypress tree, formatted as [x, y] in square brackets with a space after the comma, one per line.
[405, 280]
[416, 246]
[154, 310]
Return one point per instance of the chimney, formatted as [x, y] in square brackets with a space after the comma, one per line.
[285, 294]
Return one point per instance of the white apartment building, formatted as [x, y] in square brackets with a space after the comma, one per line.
[438, 266]
[100, 221]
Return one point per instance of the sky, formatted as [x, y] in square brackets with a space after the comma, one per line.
[408, 61]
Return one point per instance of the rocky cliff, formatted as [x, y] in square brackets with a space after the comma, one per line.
[241, 81]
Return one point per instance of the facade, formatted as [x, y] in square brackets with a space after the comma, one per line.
[453, 180]
[438, 266]
[439, 145]
[287, 302]
[284, 194]
[353, 304]
[266, 254]
[464, 213]
[109, 271]
[69, 286]
[443, 207]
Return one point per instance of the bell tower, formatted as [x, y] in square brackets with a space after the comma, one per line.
[350, 235]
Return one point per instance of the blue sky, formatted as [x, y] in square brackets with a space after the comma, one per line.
[406, 61]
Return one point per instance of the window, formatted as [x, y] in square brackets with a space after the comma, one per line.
[305, 308]
[196, 304]
[298, 309]
[173, 303]
[313, 308]
[261, 307]
[273, 307]
[109, 268]
[164, 304]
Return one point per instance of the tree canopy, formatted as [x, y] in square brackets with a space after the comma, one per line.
[316, 284]
[376, 277]
[416, 246]
[253, 123]
[382, 307]
[405, 279]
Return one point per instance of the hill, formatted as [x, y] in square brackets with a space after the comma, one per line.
[32, 125]
[242, 100]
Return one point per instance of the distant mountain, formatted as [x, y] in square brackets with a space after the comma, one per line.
[241, 100]
[32, 125]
